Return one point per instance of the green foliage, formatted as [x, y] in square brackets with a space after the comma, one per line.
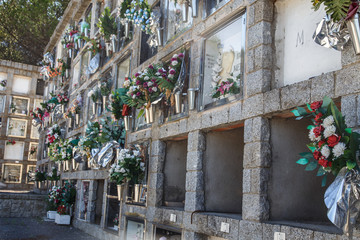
[337, 9]
[107, 24]
[126, 4]
[117, 103]
[26, 27]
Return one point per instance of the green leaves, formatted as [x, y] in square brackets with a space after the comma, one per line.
[107, 24]
[320, 172]
[311, 166]
[350, 164]
[303, 161]
[337, 8]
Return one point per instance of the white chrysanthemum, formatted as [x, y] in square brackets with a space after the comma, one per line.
[171, 75]
[157, 74]
[339, 149]
[174, 63]
[328, 121]
[150, 84]
[330, 130]
[136, 153]
[146, 78]
[175, 56]
[122, 170]
[325, 151]
[154, 89]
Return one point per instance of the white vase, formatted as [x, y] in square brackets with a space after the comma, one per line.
[127, 123]
[137, 188]
[104, 103]
[62, 219]
[353, 26]
[77, 118]
[149, 114]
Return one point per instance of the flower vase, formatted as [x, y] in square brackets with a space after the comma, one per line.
[70, 53]
[67, 73]
[79, 43]
[86, 32]
[191, 98]
[195, 7]
[107, 46]
[104, 102]
[127, 123]
[149, 114]
[127, 29]
[354, 30]
[62, 219]
[50, 119]
[178, 102]
[185, 11]
[159, 36]
[116, 228]
[66, 165]
[64, 45]
[137, 188]
[75, 165]
[94, 108]
[113, 42]
[89, 163]
[51, 215]
[120, 191]
[69, 122]
[62, 108]
[38, 184]
[77, 118]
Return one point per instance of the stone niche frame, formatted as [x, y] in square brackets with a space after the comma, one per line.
[175, 173]
[204, 101]
[301, 197]
[131, 232]
[11, 164]
[223, 170]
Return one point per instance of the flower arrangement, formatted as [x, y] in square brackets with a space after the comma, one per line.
[12, 107]
[129, 167]
[107, 24]
[76, 107]
[53, 175]
[68, 193]
[37, 113]
[53, 134]
[40, 176]
[337, 9]
[95, 45]
[105, 86]
[94, 94]
[10, 142]
[137, 12]
[224, 87]
[169, 78]
[333, 145]
[62, 98]
[117, 103]
[61, 210]
[144, 89]
[3, 83]
[116, 220]
[55, 151]
[54, 198]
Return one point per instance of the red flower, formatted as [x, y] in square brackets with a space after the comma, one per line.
[323, 162]
[316, 105]
[318, 118]
[318, 130]
[322, 142]
[317, 155]
[333, 140]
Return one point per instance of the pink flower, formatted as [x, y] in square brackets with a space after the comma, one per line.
[172, 71]
[151, 66]
[181, 55]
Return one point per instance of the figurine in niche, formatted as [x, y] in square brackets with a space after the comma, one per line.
[223, 66]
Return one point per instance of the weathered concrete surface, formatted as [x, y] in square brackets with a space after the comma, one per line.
[22, 205]
[36, 229]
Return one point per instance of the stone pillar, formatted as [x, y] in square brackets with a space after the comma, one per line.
[259, 48]
[193, 236]
[257, 160]
[348, 109]
[91, 208]
[156, 175]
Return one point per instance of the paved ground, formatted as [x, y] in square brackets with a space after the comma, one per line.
[38, 229]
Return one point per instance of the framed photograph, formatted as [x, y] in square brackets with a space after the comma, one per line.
[11, 173]
[16, 127]
[143, 192]
[30, 174]
[14, 150]
[33, 150]
[19, 106]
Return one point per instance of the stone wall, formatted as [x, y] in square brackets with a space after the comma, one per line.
[22, 205]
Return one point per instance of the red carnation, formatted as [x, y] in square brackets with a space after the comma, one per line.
[318, 118]
[333, 140]
[322, 142]
[323, 162]
[316, 105]
[318, 130]
[317, 155]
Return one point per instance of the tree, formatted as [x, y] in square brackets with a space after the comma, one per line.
[26, 27]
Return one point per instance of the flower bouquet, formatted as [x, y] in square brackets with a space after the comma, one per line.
[138, 12]
[333, 149]
[33, 150]
[117, 104]
[225, 87]
[40, 176]
[53, 134]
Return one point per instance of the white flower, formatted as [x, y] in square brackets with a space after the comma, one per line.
[134, 96]
[330, 130]
[339, 149]
[150, 84]
[56, 135]
[122, 170]
[157, 74]
[128, 155]
[328, 121]
[175, 56]
[174, 63]
[127, 83]
[146, 78]
[325, 151]
[154, 89]
[171, 75]
[136, 153]
[90, 93]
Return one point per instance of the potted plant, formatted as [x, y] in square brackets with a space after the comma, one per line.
[64, 211]
[40, 177]
[53, 200]
[116, 222]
